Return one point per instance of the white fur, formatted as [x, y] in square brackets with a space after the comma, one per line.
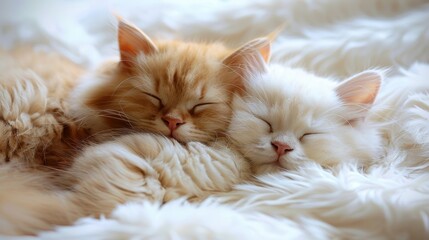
[378, 205]
[329, 37]
[347, 205]
[184, 221]
[403, 112]
[311, 114]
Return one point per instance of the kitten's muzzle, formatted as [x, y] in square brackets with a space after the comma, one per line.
[172, 123]
[281, 148]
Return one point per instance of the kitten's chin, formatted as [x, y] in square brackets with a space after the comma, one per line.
[184, 140]
[283, 163]
[267, 168]
[187, 137]
[179, 138]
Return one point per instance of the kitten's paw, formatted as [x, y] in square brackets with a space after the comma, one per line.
[150, 145]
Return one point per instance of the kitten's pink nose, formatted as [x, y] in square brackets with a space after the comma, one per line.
[281, 148]
[172, 123]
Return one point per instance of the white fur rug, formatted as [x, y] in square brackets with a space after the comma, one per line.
[329, 37]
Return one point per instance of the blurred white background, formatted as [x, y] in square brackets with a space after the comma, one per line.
[331, 37]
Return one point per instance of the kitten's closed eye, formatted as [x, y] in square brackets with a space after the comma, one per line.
[268, 123]
[201, 106]
[307, 134]
[156, 100]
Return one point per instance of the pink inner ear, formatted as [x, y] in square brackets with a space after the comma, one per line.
[250, 57]
[360, 89]
[133, 41]
[265, 52]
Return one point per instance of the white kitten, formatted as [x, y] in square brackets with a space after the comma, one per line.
[291, 117]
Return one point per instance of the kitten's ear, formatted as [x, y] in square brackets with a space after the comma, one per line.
[264, 48]
[250, 58]
[272, 36]
[133, 41]
[360, 89]
[265, 52]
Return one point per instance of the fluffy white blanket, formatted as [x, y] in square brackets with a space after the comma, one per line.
[328, 37]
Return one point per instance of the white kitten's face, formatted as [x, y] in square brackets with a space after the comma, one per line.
[291, 118]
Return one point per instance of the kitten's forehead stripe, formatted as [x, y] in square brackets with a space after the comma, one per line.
[175, 77]
[187, 74]
[157, 85]
[203, 92]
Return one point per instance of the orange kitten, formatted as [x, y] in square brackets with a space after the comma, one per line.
[178, 89]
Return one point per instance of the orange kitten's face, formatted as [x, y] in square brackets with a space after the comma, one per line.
[177, 92]
[178, 89]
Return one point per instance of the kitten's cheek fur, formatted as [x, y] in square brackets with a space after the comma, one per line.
[289, 165]
[290, 161]
[181, 134]
[259, 155]
[266, 168]
[325, 152]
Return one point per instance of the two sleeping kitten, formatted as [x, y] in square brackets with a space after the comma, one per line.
[185, 92]
[277, 117]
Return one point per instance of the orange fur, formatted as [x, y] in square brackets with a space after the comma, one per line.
[34, 119]
[191, 82]
[29, 202]
[59, 74]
